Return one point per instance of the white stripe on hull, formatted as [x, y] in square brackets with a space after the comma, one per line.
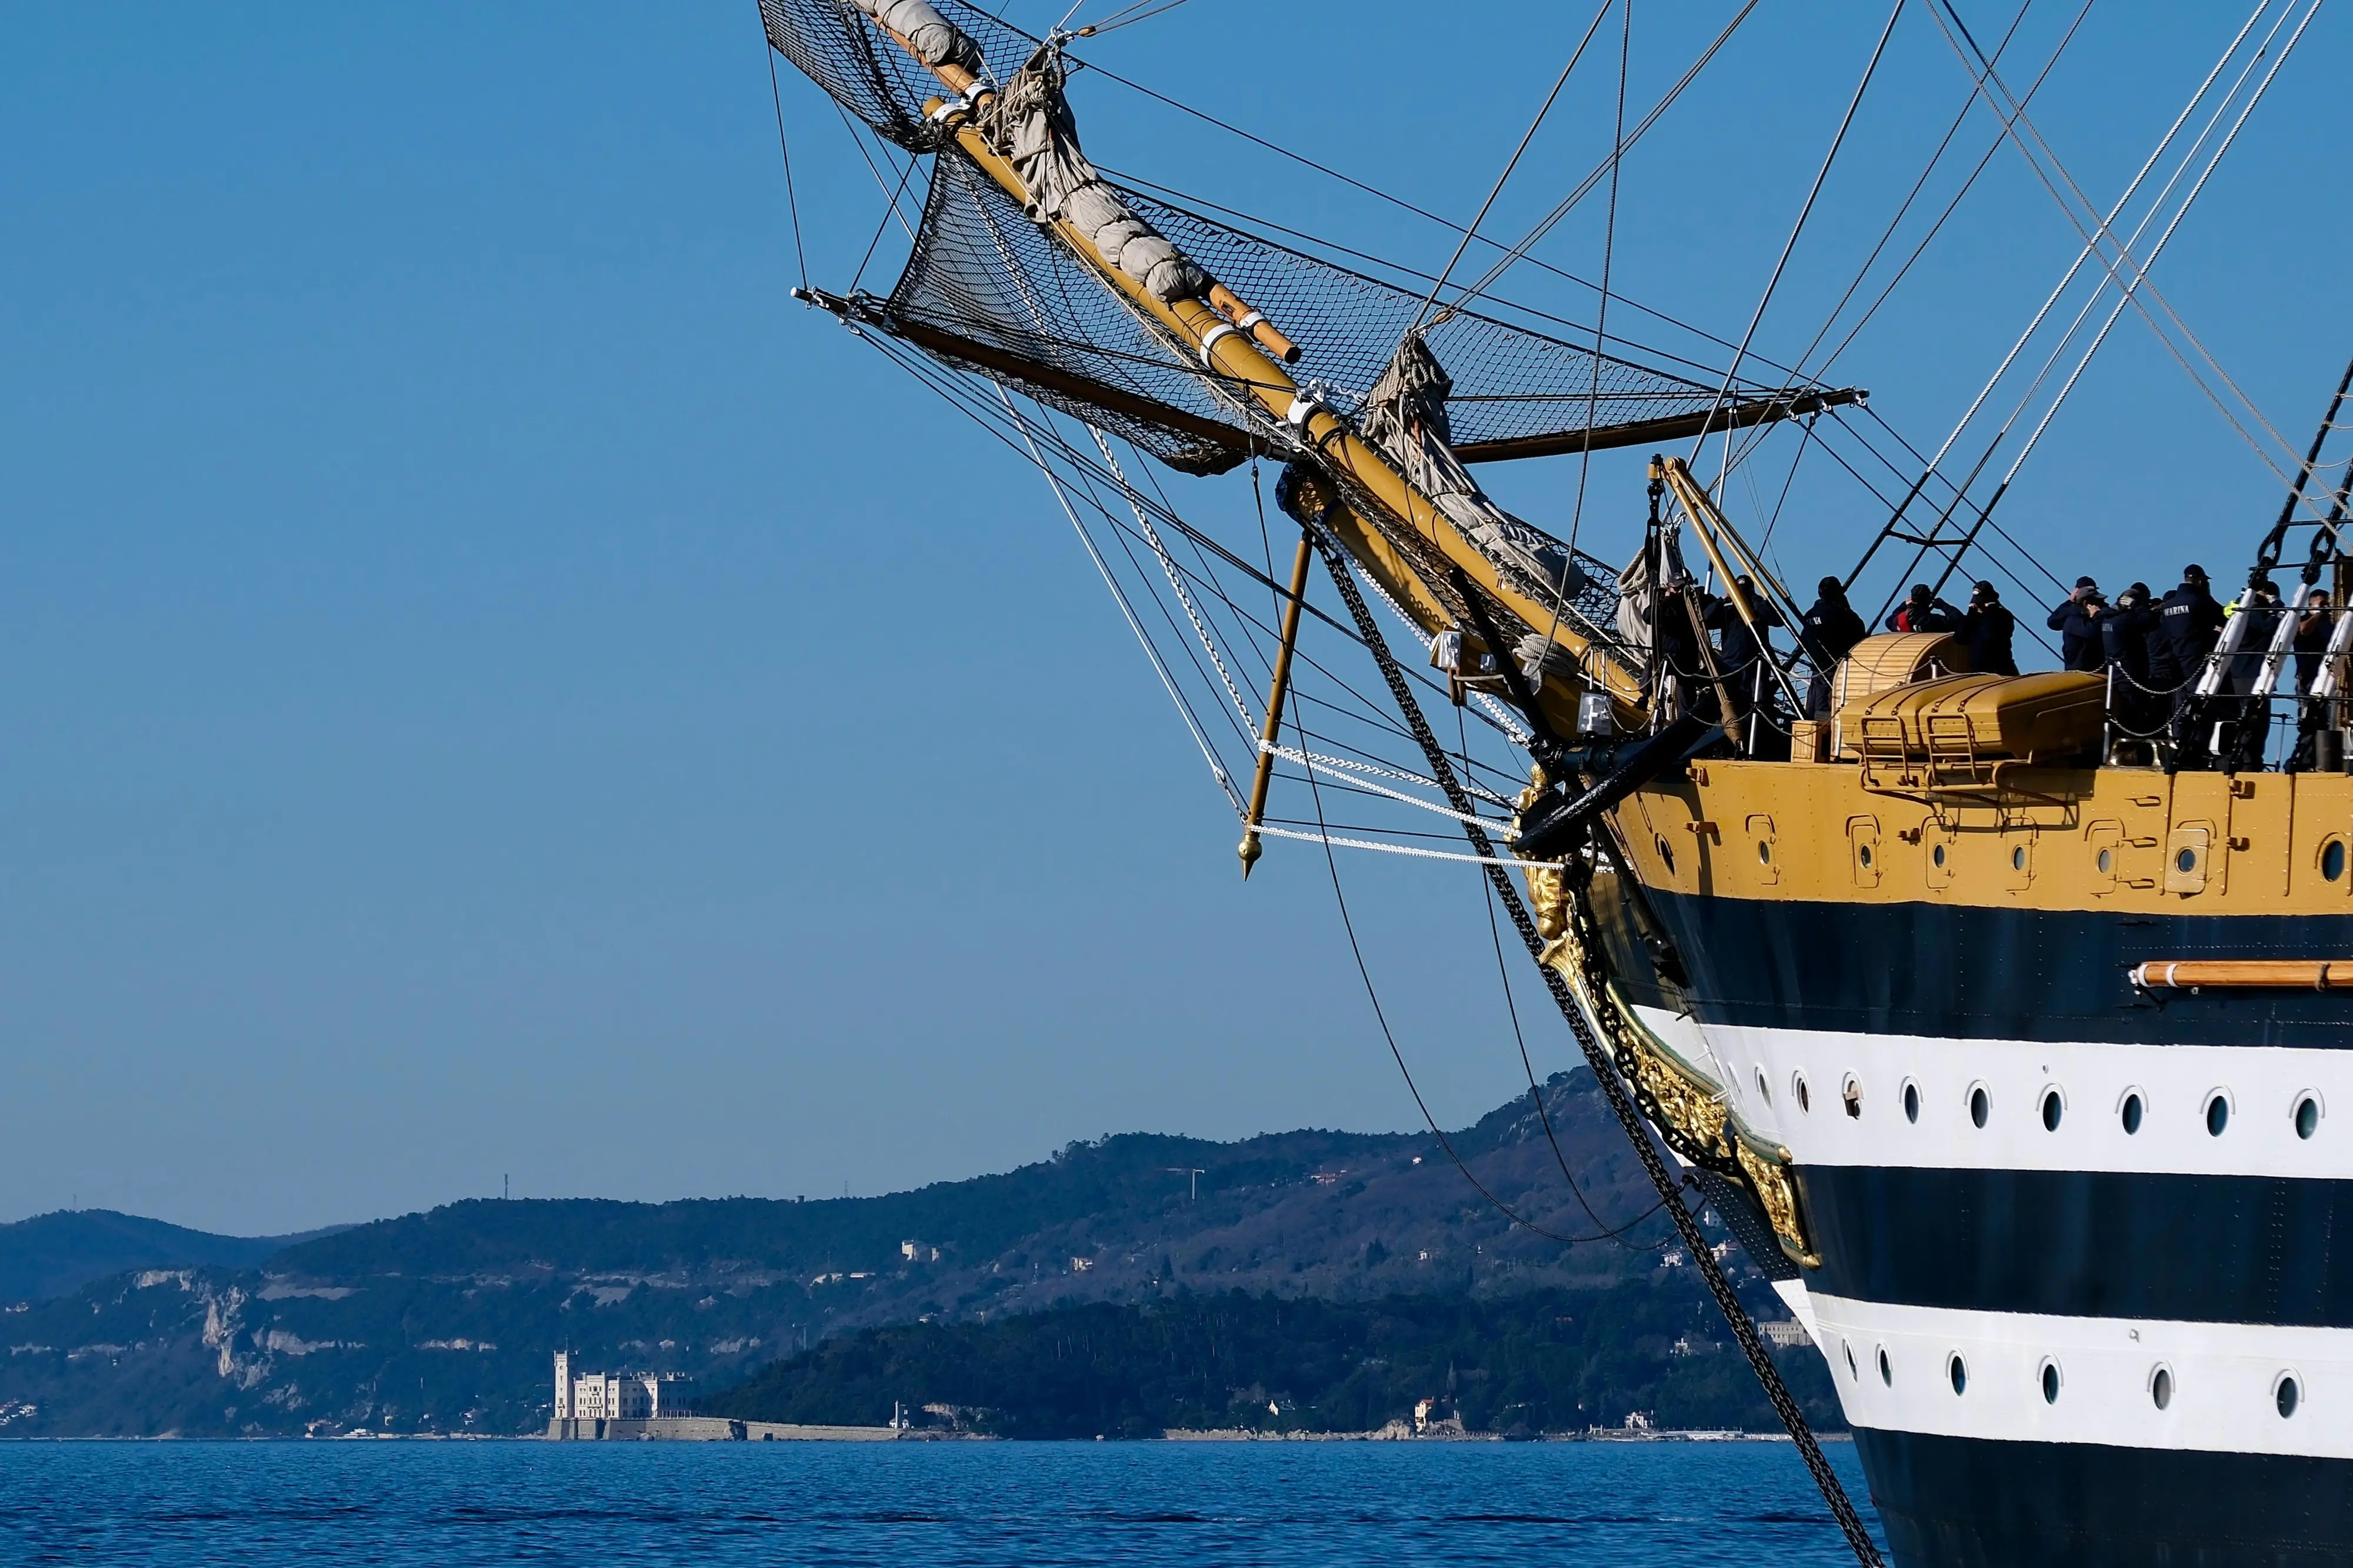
[2224, 1378]
[2262, 1084]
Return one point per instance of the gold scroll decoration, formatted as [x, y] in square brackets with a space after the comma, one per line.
[1691, 1111]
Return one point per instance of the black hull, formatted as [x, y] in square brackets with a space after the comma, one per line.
[1949, 971]
[1960, 1503]
[2018, 1239]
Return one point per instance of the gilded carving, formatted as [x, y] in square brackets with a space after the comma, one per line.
[1689, 1110]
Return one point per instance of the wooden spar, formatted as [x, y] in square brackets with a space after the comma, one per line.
[1649, 432]
[1276, 693]
[2246, 973]
[1709, 522]
[1707, 656]
[1238, 312]
[1247, 368]
[1231, 445]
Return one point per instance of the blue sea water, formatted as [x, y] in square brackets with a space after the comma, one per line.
[973, 1505]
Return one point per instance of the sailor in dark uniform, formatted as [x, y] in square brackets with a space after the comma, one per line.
[1987, 629]
[2188, 623]
[1830, 631]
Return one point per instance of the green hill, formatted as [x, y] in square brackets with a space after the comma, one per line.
[52, 1254]
[1544, 1361]
[445, 1320]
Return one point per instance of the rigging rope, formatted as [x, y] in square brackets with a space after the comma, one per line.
[1216, 769]
[1935, 464]
[1175, 578]
[1601, 314]
[792, 202]
[1527, 1064]
[2125, 258]
[1373, 191]
[1380, 1016]
[1621, 1103]
[1967, 184]
[1797, 228]
[2140, 274]
[1513, 163]
[2130, 288]
[1585, 186]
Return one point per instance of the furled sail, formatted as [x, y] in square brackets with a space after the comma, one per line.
[1405, 414]
[984, 273]
[1035, 269]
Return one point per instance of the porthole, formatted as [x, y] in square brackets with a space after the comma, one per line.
[2130, 1111]
[2049, 1382]
[1852, 1375]
[1850, 1095]
[2332, 860]
[2054, 1106]
[2106, 862]
[1911, 1100]
[1981, 1104]
[1764, 853]
[2287, 1393]
[1805, 1095]
[1937, 855]
[1862, 856]
[1886, 1371]
[2308, 1114]
[1958, 1370]
[2185, 861]
[1764, 1092]
[2160, 1386]
[1666, 855]
[2218, 1112]
[2018, 858]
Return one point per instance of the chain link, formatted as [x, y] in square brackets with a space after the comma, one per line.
[1744, 1330]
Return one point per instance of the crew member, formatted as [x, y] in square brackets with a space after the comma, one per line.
[1740, 655]
[1828, 631]
[1986, 628]
[1922, 611]
[2188, 621]
[2314, 626]
[2077, 622]
[2124, 632]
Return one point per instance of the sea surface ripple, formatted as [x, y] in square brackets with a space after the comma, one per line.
[974, 1505]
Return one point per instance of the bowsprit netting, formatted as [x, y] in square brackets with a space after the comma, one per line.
[988, 290]
[983, 271]
[839, 50]
[1510, 382]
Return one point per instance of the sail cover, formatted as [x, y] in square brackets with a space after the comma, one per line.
[987, 290]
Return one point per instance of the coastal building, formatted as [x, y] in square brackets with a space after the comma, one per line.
[615, 1396]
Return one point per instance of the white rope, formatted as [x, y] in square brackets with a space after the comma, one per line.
[2089, 246]
[1176, 577]
[2131, 287]
[2152, 290]
[1314, 762]
[1502, 715]
[1333, 840]
[2140, 273]
[1053, 480]
[1377, 770]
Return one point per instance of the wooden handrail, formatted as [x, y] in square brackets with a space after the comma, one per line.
[2244, 974]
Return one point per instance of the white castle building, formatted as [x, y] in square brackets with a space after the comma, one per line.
[614, 1396]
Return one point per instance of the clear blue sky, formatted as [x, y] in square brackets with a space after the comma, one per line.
[490, 686]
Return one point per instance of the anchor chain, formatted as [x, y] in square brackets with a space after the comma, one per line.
[1630, 1118]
